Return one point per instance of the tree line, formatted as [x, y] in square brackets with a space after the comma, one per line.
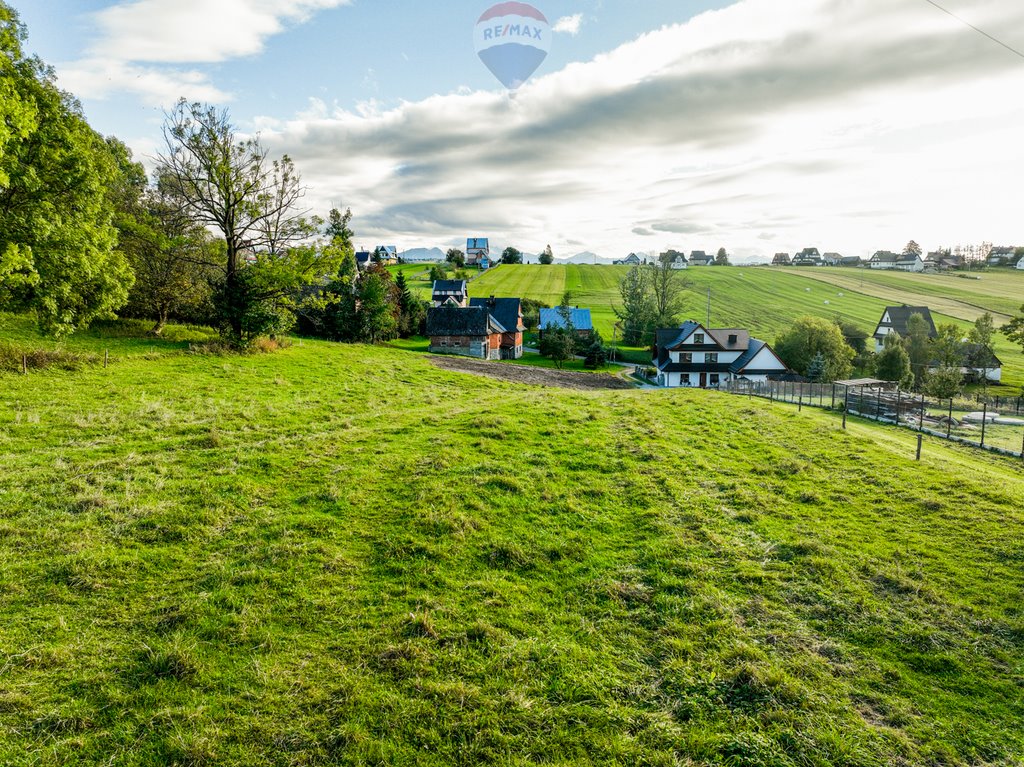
[218, 236]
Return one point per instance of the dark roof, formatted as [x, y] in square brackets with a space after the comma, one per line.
[552, 318]
[363, 256]
[885, 257]
[899, 315]
[754, 345]
[723, 336]
[808, 252]
[506, 311]
[457, 321]
[477, 243]
[976, 356]
[450, 286]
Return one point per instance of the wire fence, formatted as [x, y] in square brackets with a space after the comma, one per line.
[995, 424]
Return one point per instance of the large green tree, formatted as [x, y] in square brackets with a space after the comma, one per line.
[893, 362]
[58, 180]
[511, 256]
[982, 353]
[809, 337]
[637, 312]
[228, 183]
[946, 378]
[1014, 329]
[919, 347]
[667, 286]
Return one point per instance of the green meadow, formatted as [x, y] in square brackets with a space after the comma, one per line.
[342, 555]
[768, 300]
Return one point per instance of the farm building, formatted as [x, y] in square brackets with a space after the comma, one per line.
[700, 258]
[578, 318]
[781, 259]
[699, 357]
[465, 331]
[508, 314]
[631, 260]
[894, 320]
[450, 292]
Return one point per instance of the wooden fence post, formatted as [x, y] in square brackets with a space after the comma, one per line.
[846, 406]
[24, 364]
[106, 357]
[949, 420]
[920, 439]
[984, 422]
[920, 421]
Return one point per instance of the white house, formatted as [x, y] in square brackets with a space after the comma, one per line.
[679, 262]
[909, 262]
[698, 357]
[894, 320]
[1020, 263]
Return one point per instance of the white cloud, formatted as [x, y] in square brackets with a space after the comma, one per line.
[849, 126]
[569, 25]
[144, 45]
[197, 30]
[100, 78]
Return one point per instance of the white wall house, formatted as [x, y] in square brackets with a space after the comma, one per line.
[697, 357]
[894, 320]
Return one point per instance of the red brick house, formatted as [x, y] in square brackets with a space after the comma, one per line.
[465, 331]
[508, 312]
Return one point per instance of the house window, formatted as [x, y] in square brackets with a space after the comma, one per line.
[684, 380]
[711, 357]
[698, 338]
[686, 359]
[714, 379]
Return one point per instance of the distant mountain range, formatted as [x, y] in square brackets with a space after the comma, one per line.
[586, 257]
[423, 254]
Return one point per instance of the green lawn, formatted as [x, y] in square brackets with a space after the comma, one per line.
[342, 555]
[767, 300]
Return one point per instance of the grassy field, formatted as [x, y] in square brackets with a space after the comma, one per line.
[766, 301]
[341, 555]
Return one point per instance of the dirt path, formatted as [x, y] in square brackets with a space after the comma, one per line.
[563, 379]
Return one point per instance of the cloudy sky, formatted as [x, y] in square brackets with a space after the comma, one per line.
[759, 125]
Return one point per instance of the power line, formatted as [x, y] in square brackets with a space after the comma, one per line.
[976, 29]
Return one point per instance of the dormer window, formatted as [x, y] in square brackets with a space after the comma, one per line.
[732, 339]
[698, 338]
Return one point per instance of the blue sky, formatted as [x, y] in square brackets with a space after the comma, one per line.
[756, 125]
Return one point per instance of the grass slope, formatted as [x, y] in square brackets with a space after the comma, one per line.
[766, 301]
[342, 555]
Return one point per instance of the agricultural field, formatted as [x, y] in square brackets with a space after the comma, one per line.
[767, 300]
[344, 555]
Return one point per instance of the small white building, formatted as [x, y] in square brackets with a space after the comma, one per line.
[697, 357]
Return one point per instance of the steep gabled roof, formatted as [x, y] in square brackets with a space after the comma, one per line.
[450, 286]
[478, 243]
[457, 321]
[885, 257]
[754, 346]
[898, 317]
[507, 311]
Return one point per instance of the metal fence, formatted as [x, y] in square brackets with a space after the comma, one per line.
[995, 424]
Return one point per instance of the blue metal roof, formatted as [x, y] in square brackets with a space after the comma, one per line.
[552, 318]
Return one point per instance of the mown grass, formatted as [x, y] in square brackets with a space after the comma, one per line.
[768, 300]
[343, 555]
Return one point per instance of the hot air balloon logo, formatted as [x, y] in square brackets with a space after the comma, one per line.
[512, 39]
